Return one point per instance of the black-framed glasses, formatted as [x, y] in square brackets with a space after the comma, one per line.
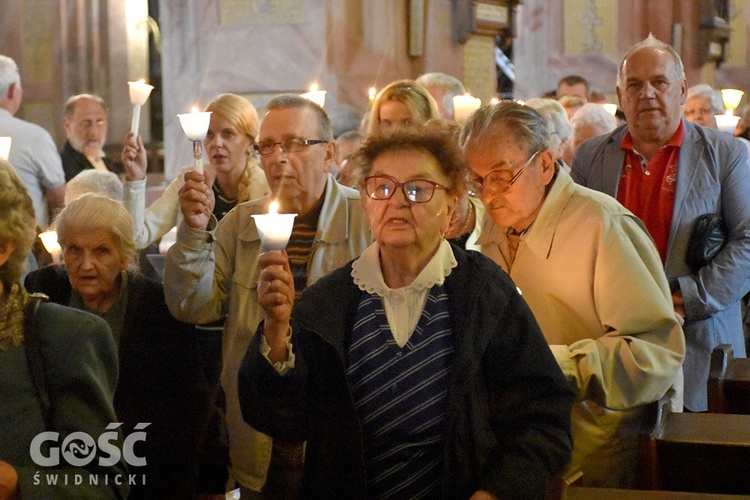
[416, 191]
[287, 145]
[501, 181]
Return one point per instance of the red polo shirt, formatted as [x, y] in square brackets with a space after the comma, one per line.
[647, 187]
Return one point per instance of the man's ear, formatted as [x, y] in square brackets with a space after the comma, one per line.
[330, 155]
[12, 90]
[548, 166]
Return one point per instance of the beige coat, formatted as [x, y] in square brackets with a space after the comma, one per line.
[593, 278]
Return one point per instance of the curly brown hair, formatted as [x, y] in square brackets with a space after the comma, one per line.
[436, 139]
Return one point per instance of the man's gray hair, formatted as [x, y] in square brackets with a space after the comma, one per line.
[451, 86]
[8, 75]
[529, 128]
[652, 42]
[72, 102]
[96, 181]
[282, 101]
[594, 115]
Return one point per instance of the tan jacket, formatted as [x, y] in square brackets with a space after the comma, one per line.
[593, 278]
[210, 274]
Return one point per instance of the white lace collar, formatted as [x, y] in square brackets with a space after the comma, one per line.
[368, 275]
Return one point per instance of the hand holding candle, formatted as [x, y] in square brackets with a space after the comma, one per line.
[274, 228]
[195, 125]
[139, 92]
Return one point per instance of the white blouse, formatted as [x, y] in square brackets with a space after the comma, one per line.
[403, 306]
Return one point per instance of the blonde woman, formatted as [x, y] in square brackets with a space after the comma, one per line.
[233, 170]
[401, 104]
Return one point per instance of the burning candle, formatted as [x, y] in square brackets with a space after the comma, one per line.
[49, 240]
[464, 106]
[274, 228]
[195, 125]
[371, 94]
[139, 92]
[5, 147]
[315, 95]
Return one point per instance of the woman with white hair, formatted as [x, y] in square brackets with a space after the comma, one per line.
[161, 381]
[58, 371]
[702, 104]
[591, 120]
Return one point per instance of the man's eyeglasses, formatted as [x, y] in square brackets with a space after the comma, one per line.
[500, 181]
[416, 191]
[287, 145]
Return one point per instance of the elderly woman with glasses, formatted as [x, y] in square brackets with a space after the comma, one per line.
[416, 370]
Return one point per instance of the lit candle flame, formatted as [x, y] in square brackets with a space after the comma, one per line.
[274, 207]
[372, 92]
[314, 87]
[195, 110]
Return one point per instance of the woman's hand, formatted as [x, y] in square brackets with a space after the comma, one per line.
[134, 158]
[8, 481]
[276, 297]
[196, 200]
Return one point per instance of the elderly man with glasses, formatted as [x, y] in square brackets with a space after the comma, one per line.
[593, 279]
[212, 270]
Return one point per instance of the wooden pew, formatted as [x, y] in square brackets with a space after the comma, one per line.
[696, 452]
[728, 382]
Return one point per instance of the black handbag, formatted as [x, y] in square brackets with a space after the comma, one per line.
[708, 237]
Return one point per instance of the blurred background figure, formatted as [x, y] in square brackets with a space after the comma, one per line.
[702, 104]
[743, 126]
[571, 104]
[161, 378]
[78, 351]
[559, 127]
[589, 121]
[574, 86]
[347, 144]
[400, 105]
[442, 87]
[85, 124]
[94, 181]
[32, 153]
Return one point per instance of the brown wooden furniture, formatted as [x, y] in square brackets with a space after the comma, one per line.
[696, 452]
[728, 382]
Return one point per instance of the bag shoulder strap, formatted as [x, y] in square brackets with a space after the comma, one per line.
[34, 357]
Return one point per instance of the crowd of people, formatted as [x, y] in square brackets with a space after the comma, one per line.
[463, 310]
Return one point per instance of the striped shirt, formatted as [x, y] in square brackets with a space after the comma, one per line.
[300, 246]
[400, 396]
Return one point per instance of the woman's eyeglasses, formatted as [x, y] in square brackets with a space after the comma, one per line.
[416, 191]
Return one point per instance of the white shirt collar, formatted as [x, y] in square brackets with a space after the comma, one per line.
[368, 275]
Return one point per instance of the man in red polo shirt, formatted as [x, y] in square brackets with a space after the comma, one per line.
[668, 172]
